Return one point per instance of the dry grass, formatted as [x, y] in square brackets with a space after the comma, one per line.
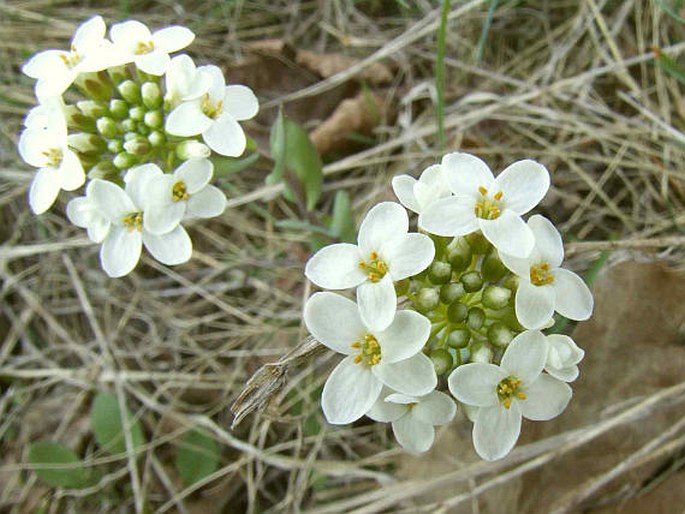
[571, 84]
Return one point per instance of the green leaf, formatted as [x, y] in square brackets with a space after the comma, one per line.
[197, 457]
[44, 454]
[670, 66]
[230, 165]
[277, 144]
[106, 421]
[342, 222]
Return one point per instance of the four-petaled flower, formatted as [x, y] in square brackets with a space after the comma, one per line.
[390, 357]
[563, 356]
[385, 253]
[505, 393]
[216, 114]
[413, 417]
[544, 287]
[483, 202]
[133, 42]
[417, 195]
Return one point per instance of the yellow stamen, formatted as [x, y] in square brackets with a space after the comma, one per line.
[134, 221]
[541, 274]
[369, 351]
[509, 388]
[212, 110]
[179, 191]
[54, 156]
[499, 195]
[70, 59]
[482, 190]
[375, 268]
[144, 47]
[488, 208]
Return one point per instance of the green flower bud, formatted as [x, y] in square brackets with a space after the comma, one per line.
[440, 244]
[495, 297]
[459, 338]
[482, 354]
[129, 125]
[96, 86]
[76, 120]
[136, 113]
[115, 146]
[118, 108]
[118, 74]
[428, 299]
[124, 160]
[442, 360]
[511, 283]
[402, 287]
[472, 281]
[151, 95]
[492, 268]
[476, 318]
[104, 170]
[91, 108]
[140, 146]
[478, 243]
[130, 136]
[439, 272]
[84, 143]
[499, 334]
[156, 138]
[191, 149]
[130, 91]
[108, 127]
[154, 119]
[451, 292]
[457, 312]
[459, 254]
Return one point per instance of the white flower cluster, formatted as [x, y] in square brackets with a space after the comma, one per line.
[148, 122]
[477, 284]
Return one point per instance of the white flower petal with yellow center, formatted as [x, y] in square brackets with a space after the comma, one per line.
[505, 393]
[184, 194]
[390, 357]
[417, 195]
[184, 82]
[483, 202]
[544, 286]
[56, 70]
[216, 114]
[563, 356]
[133, 42]
[385, 253]
[413, 418]
[60, 168]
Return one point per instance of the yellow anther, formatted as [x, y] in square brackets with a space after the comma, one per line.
[499, 195]
[482, 190]
[507, 389]
[70, 59]
[54, 156]
[144, 47]
[179, 191]
[375, 268]
[134, 221]
[541, 274]
[369, 351]
[356, 345]
[357, 359]
[212, 110]
[521, 395]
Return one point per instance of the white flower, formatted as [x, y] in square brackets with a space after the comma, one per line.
[544, 286]
[60, 168]
[85, 213]
[413, 418]
[390, 357]
[49, 113]
[483, 202]
[216, 114]
[123, 209]
[386, 253]
[186, 193]
[184, 81]
[56, 70]
[505, 393]
[563, 356]
[417, 195]
[134, 42]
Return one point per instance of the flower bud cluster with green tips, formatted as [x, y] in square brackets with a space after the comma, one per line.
[143, 120]
[459, 307]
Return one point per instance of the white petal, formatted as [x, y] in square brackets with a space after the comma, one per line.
[534, 305]
[225, 136]
[240, 102]
[89, 35]
[183, 82]
[44, 189]
[159, 191]
[80, 211]
[563, 351]
[173, 38]
[476, 383]
[450, 216]
[31, 146]
[385, 412]
[172, 248]
[196, 173]
[509, 234]
[408, 255]
[405, 336]
[525, 356]
[46, 64]
[349, 392]
[573, 297]
[138, 180]
[56, 84]
[187, 119]
[414, 376]
[431, 186]
[523, 184]
[377, 303]
[98, 229]
[217, 87]
[207, 203]
[71, 171]
[399, 398]
[518, 265]
[120, 251]
[154, 63]
[435, 408]
[547, 240]
[466, 173]
[546, 398]
[335, 267]
[129, 33]
[566, 374]
[110, 200]
[403, 186]
[334, 321]
[163, 219]
[413, 435]
[384, 221]
[496, 431]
